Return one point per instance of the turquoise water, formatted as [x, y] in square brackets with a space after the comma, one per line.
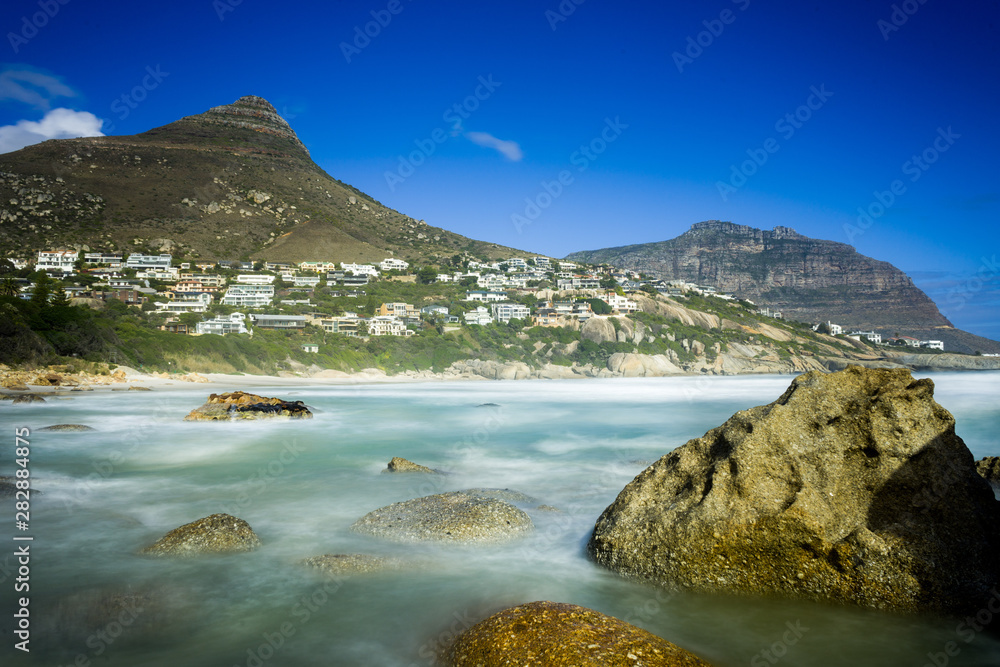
[570, 444]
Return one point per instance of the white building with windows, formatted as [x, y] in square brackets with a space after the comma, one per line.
[479, 316]
[485, 296]
[57, 261]
[620, 303]
[392, 264]
[140, 261]
[870, 336]
[387, 325]
[360, 269]
[305, 281]
[248, 296]
[223, 324]
[933, 344]
[198, 303]
[111, 260]
[254, 279]
[505, 312]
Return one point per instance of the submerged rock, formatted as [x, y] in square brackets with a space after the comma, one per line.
[67, 428]
[852, 487]
[398, 464]
[447, 517]
[348, 564]
[28, 398]
[552, 633]
[241, 405]
[218, 533]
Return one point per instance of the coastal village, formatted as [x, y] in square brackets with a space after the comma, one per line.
[235, 297]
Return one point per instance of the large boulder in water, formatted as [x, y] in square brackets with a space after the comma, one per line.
[241, 405]
[552, 633]
[447, 517]
[851, 487]
[218, 533]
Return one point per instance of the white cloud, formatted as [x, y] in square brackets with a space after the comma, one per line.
[509, 149]
[32, 88]
[57, 124]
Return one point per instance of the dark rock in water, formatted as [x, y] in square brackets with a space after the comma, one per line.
[241, 405]
[506, 495]
[989, 469]
[398, 464]
[851, 487]
[8, 488]
[218, 533]
[137, 388]
[447, 517]
[553, 633]
[127, 615]
[28, 398]
[488, 405]
[67, 428]
[349, 564]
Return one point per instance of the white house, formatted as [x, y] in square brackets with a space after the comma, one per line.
[305, 281]
[478, 316]
[485, 296]
[387, 325]
[505, 312]
[871, 336]
[198, 303]
[392, 264]
[254, 279]
[360, 269]
[223, 324]
[620, 303]
[57, 261]
[248, 296]
[434, 310]
[932, 344]
[140, 261]
[312, 348]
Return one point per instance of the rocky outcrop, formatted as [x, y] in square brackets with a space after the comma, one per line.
[340, 565]
[241, 405]
[553, 633]
[599, 330]
[811, 280]
[642, 365]
[215, 534]
[447, 517]
[851, 487]
[67, 428]
[989, 469]
[398, 464]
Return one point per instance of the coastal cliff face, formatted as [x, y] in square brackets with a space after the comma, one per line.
[807, 279]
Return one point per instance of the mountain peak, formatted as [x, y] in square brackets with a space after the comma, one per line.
[778, 232]
[253, 113]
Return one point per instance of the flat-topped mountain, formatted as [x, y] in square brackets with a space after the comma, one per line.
[807, 279]
[233, 182]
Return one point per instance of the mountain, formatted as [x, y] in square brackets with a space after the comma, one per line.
[807, 279]
[233, 182]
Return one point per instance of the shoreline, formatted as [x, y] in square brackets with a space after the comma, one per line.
[135, 380]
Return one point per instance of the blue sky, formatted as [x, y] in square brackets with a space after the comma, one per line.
[577, 126]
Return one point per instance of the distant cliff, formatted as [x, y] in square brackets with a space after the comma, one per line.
[807, 279]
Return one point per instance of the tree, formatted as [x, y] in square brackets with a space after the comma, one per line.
[190, 319]
[649, 289]
[427, 275]
[9, 287]
[59, 296]
[42, 290]
[609, 283]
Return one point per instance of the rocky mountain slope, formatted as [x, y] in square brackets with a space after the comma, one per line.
[808, 279]
[233, 182]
